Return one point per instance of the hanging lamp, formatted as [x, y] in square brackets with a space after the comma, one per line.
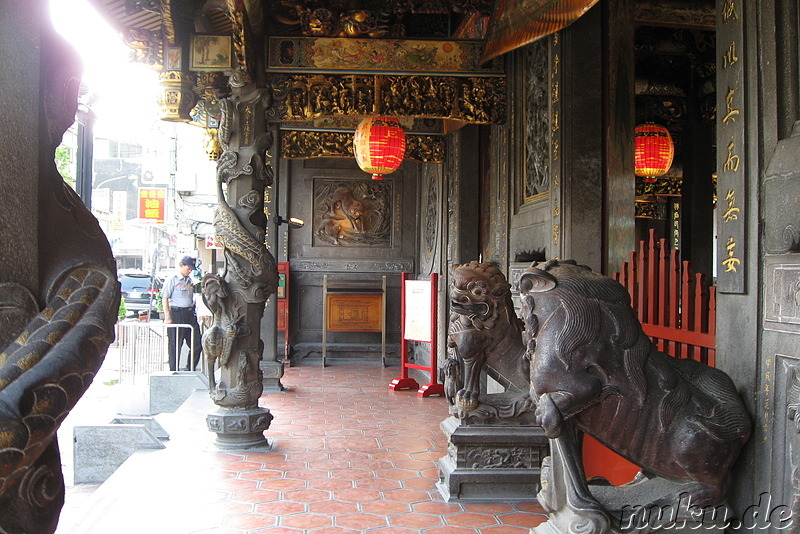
[379, 145]
[654, 150]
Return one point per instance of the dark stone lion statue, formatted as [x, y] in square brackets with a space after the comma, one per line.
[484, 333]
[595, 371]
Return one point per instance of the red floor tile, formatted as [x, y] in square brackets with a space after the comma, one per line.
[521, 519]
[349, 457]
[361, 521]
[406, 495]
[279, 508]
[306, 521]
[255, 496]
[413, 520]
[249, 521]
[357, 495]
[333, 508]
[466, 519]
[307, 496]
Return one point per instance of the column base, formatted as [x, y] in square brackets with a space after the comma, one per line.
[240, 428]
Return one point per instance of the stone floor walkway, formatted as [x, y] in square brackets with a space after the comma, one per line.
[348, 455]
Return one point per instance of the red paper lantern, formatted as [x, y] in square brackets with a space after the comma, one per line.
[654, 151]
[379, 145]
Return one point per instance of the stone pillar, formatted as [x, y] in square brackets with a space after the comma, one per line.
[237, 297]
[19, 153]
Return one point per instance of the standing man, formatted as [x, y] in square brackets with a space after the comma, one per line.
[178, 298]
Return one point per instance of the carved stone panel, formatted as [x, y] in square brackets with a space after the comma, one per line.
[782, 295]
[431, 217]
[352, 213]
[537, 111]
[781, 189]
[785, 430]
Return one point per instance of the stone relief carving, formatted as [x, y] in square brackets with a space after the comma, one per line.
[783, 294]
[352, 213]
[537, 110]
[499, 458]
[431, 211]
[365, 266]
[793, 412]
[593, 370]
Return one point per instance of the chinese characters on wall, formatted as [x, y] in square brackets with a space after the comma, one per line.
[731, 250]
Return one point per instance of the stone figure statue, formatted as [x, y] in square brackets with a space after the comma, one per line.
[54, 334]
[484, 333]
[594, 371]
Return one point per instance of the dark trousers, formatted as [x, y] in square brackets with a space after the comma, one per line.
[177, 336]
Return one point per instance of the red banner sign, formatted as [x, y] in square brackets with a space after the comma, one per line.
[152, 204]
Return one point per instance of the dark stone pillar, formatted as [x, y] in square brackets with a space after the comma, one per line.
[237, 298]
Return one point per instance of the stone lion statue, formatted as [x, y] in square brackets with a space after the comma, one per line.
[595, 371]
[484, 333]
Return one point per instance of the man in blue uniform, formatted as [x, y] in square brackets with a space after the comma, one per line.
[178, 298]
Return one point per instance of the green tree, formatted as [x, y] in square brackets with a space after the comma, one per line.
[123, 310]
[64, 164]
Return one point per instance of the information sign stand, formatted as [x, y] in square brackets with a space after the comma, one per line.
[353, 306]
[419, 320]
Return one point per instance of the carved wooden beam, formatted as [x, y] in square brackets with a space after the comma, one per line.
[473, 100]
[300, 144]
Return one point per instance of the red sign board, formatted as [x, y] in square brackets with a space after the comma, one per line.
[152, 204]
[211, 241]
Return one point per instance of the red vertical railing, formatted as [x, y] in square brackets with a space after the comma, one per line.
[674, 306]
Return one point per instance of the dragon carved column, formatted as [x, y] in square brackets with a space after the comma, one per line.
[237, 297]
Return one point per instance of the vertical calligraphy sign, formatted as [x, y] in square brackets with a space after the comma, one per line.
[731, 161]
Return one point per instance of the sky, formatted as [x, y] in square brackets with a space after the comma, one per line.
[125, 92]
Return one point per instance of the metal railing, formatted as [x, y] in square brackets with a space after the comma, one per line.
[143, 349]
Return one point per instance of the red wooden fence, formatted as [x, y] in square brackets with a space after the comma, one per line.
[676, 308]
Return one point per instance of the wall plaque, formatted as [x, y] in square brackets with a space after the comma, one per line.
[354, 313]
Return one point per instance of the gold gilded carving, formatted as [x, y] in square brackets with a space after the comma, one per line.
[352, 213]
[732, 161]
[425, 148]
[241, 37]
[478, 100]
[732, 211]
[731, 262]
[147, 47]
[211, 144]
[729, 11]
[303, 144]
[730, 57]
[300, 144]
[730, 111]
[665, 185]
[177, 97]
[354, 313]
